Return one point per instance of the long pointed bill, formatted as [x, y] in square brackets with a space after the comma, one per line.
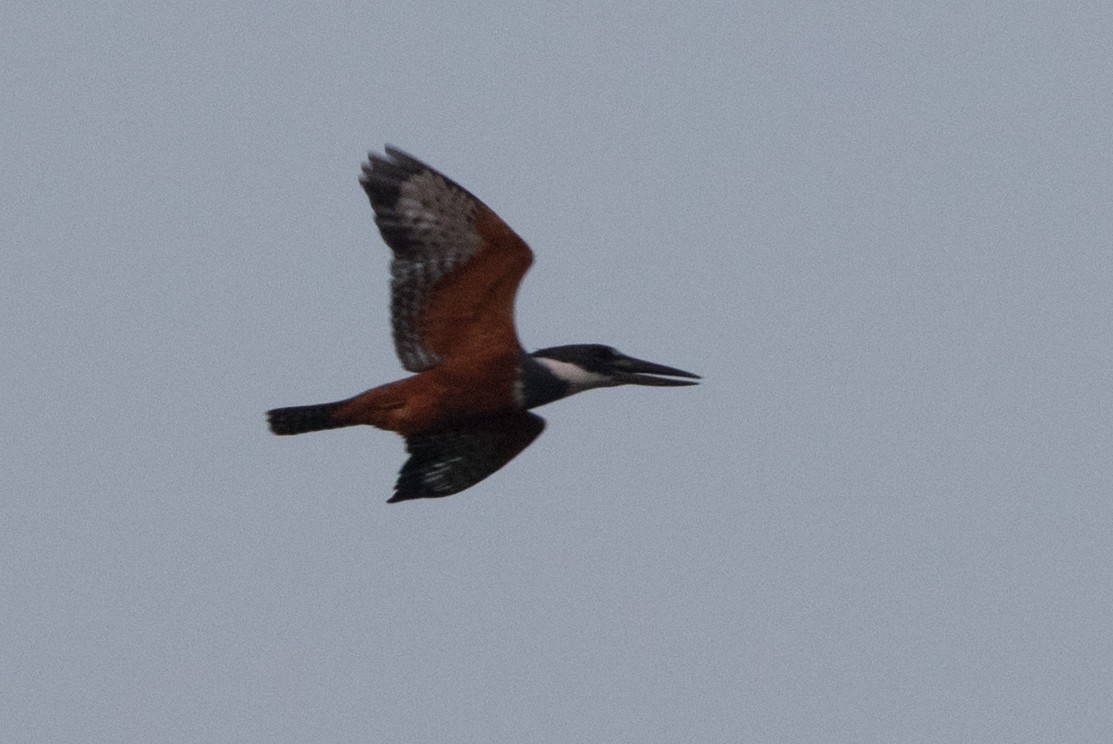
[630, 371]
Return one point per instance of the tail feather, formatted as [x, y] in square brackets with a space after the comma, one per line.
[300, 419]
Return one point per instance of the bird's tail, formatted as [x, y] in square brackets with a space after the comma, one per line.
[300, 419]
[378, 407]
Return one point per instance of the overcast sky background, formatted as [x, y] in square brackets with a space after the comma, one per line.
[881, 232]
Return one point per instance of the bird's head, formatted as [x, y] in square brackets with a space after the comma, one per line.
[586, 366]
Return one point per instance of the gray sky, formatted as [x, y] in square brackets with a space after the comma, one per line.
[881, 232]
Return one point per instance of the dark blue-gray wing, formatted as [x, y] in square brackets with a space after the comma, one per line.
[428, 221]
[446, 462]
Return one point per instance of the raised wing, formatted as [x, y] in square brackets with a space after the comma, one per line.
[456, 266]
[446, 462]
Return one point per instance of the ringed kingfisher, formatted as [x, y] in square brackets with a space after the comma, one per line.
[454, 275]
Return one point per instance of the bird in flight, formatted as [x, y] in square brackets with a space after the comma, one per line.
[454, 275]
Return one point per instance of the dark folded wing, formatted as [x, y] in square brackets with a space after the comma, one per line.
[446, 462]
